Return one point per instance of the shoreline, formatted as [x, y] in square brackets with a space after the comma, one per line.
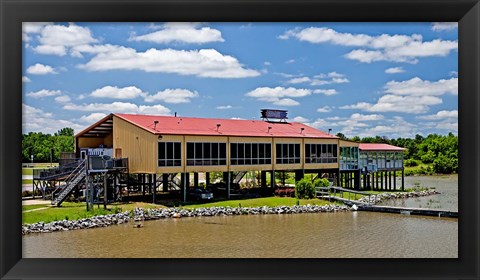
[143, 214]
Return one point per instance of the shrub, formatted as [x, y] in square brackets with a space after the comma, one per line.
[304, 189]
[445, 165]
[321, 182]
[411, 162]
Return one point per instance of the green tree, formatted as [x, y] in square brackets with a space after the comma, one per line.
[67, 131]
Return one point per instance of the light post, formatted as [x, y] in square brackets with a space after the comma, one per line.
[51, 156]
[31, 159]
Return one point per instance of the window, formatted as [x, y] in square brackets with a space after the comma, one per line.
[287, 153]
[250, 153]
[201, 154]
[349, 158]
[321, 153]
[169, 154]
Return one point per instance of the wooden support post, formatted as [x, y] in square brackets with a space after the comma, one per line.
[386, 180]
[185, 180]
[389, 180]
[195, 179]
[283, 178]
[403, 179]
[357, 179]
[228, 185]
[105, 197]
[394, 180]
[263, 178]
[207, 179]
[142, 182]
[338, 178]
[299, 175]
[226, 177]
[165, 182]
[372, 185]
[154, 188]
[364, 180]
[272, 178]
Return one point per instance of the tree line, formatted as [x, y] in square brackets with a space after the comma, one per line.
[46, 147]
[439, 151]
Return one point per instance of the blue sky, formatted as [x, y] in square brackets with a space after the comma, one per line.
[365, 79]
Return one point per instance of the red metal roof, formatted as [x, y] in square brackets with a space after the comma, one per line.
[228, 127]
[379, 147]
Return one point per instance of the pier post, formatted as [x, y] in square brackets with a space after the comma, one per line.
[263, 178]
[185, 179]
[154, 186]
[228, 185]
[357, 179]
[395, 180]
[386, 180]
[272, 178]
[105, 190]
[226, 177]
[165, 182]
[207, 179]
[299, 175]
[389, 180]
[403, 178]
[195, 179]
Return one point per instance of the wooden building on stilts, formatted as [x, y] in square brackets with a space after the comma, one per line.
[144, 155]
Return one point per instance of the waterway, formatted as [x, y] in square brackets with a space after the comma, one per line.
[319, 235]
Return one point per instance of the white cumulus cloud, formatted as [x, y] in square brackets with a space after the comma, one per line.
[279, 95]
[441, 115]
[25, 79]
[394, 70]
[62, 99]
[207, 63]
[40, 69]
[417, 86]
[58, 39]
[92, 118]
[224, 107]
[43, 93]
[119, 107]
[326, 91]
[324, 109]
[189, 33]
[385, 47]
[37, 120]
[118, 93]
[173, 96]
[444, 26]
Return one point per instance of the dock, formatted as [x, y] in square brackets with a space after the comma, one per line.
[323, 193]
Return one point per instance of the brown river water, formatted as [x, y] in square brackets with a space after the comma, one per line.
[318, 235]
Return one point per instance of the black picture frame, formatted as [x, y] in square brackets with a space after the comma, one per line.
[14, 12]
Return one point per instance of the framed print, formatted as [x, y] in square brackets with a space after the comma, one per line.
[229, 125]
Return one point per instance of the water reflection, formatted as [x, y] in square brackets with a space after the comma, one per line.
[320, 235]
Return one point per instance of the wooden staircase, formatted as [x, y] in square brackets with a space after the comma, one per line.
[76, 178]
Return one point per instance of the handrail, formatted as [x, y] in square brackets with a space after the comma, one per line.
[71, 176]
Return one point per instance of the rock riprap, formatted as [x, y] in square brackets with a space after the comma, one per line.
[140, 214]
[377, 198]
[162, 213]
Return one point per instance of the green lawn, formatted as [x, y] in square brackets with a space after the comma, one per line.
[75, 211]
[27, 171]
[264, 201]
